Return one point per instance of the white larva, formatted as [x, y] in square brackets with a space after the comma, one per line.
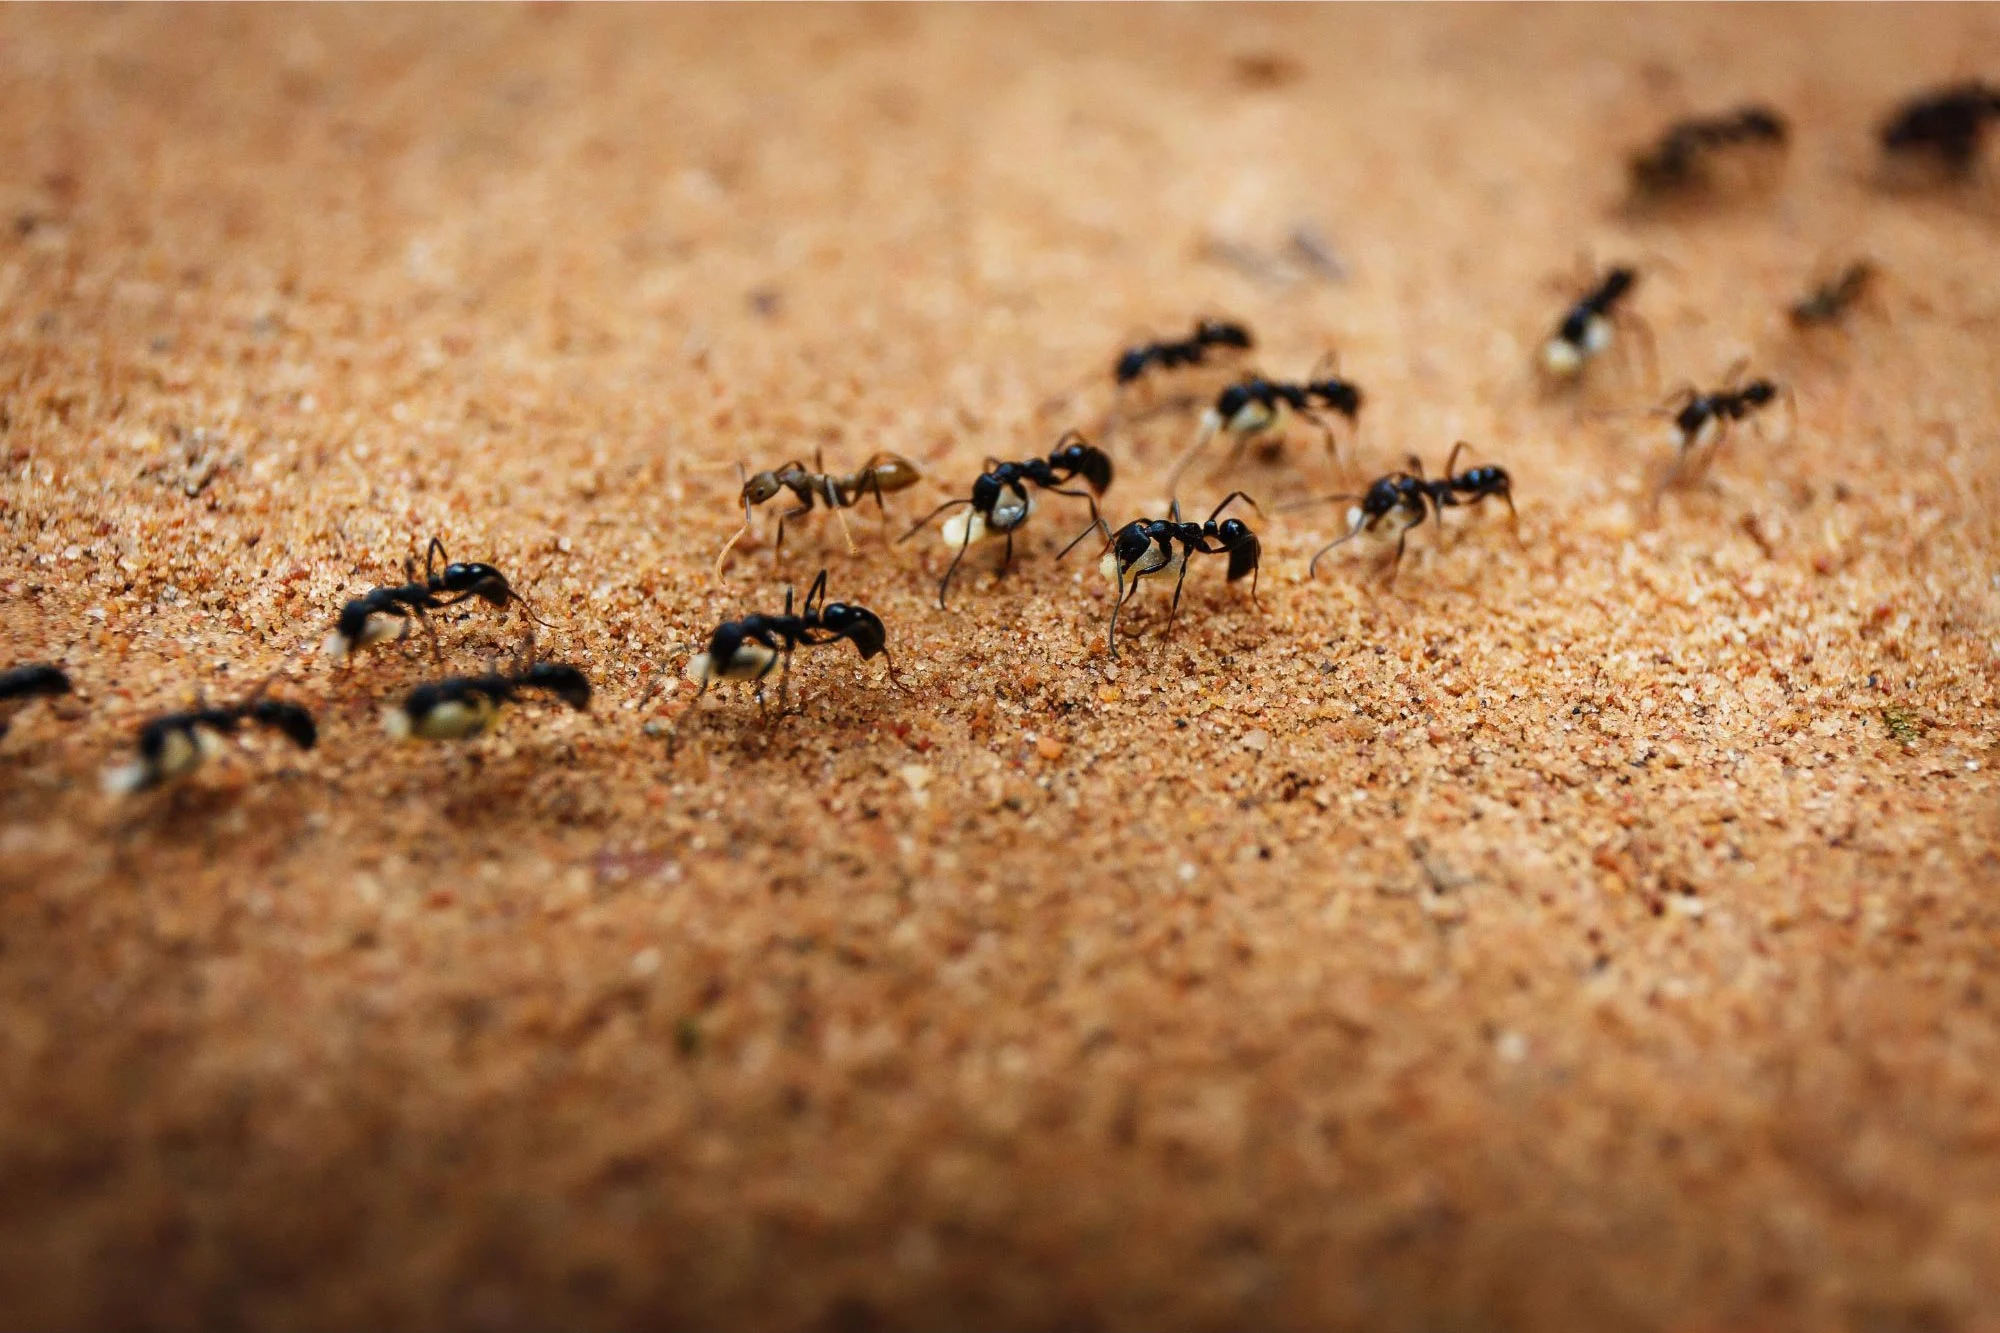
[750, 661]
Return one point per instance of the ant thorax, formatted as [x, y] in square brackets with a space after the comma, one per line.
[969, 527]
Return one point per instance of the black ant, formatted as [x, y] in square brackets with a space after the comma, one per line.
[466, 707]
[385, 613]
[1256, 406]
[1145, 546]
[1410, 497]
[1699, 416]
[37, 680]
[1945, 126]
[176, 744]
[751, 648]
[881, 474]
[1826, 303]
[1585, 331]
[1000, 502]
[1190, 351]
[1678, 162]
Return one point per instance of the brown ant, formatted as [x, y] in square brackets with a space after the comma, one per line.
[1679, 163]
[36, 680]
[386, 613]
[1411, 498]
[176, 744]
[1257, 406]
[1826, 303]
[881, 474]
[1000, 503]
[1145, 547]
[1944, 126]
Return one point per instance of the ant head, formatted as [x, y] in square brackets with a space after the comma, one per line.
[857, 624]
[1486, 480]
[1130, 544]
[986, 490]
[1131, 365]
[1232, 531]
[1761, 123]
[484, 581]
[761, 487]
[1385, 494]
[1617, 282]
[1759, 392]
[560, 679]
[1339, 395]
[1079, 457]
[1222, 333]
[290, 718]
[1235, 398]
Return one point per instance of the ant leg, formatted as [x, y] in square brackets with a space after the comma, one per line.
[1095, 525]
[1451, 463]
[1312, 567]
[1209, 426]
[1402, 538]
[1514, 519]
[1649, 347]
[785, 682]
[436, 548]
[944, 584]
[923, 522]
[1116, 604]
[1174, 607]
[437, 655]
[1007, 556]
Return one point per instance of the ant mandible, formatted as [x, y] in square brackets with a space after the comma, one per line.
[751, 648]
[466, 707]
[1256, 406]
[1585, 331]
[1000, 503]
[386, 613]
[1679, 162]
[176, 744]
[1146, 546]
[881, 474]
[1708, 416]
[1193, 350]
[1945, 126]
[36, 680]
[1410, 497]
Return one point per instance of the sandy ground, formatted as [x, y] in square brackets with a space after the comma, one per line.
[1597, 933]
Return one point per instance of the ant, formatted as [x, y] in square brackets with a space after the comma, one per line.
[374, 616]
[1256, 406]
[1944, 126]
[1000, 503]
[174, 745]
[1585, 331]
[1677, 163]
[1190, 351]
[467, 707]
[1145, 546]
[1826, 303]
[751, 648]
[1412, 498]
[37, 680]
[882, 473]
[1709, 415]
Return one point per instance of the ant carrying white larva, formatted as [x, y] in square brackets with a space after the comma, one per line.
[467, 707]
[1000, 503]
[1585, 332]
[750, 649]
[1148, 546]
[1408, 498]
[174, 745]
[1257, 406]
[36, 680]
[881, 474]
[387, 613]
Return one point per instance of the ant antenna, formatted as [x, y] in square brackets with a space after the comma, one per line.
[744, 473]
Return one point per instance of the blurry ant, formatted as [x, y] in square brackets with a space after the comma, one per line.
[466, 707]
[881, 474]
[1826, 303]
[176, 744]
[1585, 331]
[1193, 350]
[386, 613]
[1411, 498]
[1145, 546]
[1000, 502]
[1256, 406]
[1679, 162]
[1944, 127]
[751, 648]
[1706, 417]
[37, 680]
